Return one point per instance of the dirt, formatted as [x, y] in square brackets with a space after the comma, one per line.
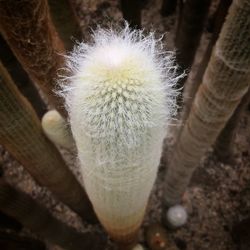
[218, 195]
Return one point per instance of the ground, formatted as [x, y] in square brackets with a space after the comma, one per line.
[218, 195]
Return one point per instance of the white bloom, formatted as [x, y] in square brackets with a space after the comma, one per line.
[120, 98]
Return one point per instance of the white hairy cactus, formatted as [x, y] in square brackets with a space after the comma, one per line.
[57, 130]
[120, 98]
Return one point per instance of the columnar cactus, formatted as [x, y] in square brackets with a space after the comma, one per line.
[225, 82]
[27, 28]
[224, 145]
[37, 218]
[219, 18]
[120, 98]
[21, 134]
[189, 31]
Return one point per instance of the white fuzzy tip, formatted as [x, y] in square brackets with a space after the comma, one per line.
[177, 216]
[119, 86]
[56, 129]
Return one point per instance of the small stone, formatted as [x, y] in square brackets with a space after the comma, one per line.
[157, 238]
[176, 216]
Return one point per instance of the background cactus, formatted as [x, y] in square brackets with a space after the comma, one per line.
[225, 82]
[21, 78]
[119, 99]
[189, 31]
[224, 145]
[65, 21]
[219, 18]
[27, 27]
[32, 215]
[21, 134]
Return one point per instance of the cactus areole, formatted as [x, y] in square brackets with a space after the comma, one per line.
[120, 98]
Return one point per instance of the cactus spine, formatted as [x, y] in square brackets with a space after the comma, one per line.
[119, 99]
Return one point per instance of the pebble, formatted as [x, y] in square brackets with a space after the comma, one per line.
[157, 238]
[176, 216]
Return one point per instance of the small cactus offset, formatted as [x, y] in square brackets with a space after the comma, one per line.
[120, 98]
[57, 130]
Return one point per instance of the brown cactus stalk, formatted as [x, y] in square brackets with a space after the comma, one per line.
[131, 10]
[190, 29]
[26, 26]
[35, 217]
[224, 143]
[21, 134]
[219, 19]
[21, 78]
[225, 82]
[65, 21]
[180, 5]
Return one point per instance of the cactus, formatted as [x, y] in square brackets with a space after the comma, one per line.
[188, 35]
[65, 20]
[57, 130]
[37, 218]
[20, 77]
[225, 82]
[27, 28]
[224, 145]
[21, 134]
[120, 98]
[219, 19]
